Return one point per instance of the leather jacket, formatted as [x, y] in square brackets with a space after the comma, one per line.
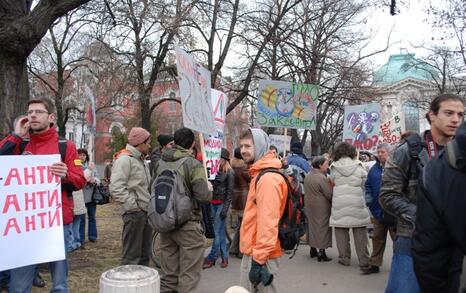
[223, 185]
[398, 190]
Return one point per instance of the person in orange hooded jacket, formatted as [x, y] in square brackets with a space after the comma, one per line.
[265, 204]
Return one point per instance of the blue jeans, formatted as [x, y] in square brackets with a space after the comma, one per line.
[220, 244]
[21, 278]
[92, 229]
[75, 227]
[69, 238]
[402, 278]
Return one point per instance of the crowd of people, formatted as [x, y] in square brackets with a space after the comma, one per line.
[412, 192]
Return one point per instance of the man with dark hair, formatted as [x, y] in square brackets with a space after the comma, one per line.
[129, 185]
[182, 250]
[399, 181]
[265, 204]
[165, 141]
[439, 240]
[298, 161]
[36, 134]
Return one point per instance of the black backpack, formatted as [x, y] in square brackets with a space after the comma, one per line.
[291, 224]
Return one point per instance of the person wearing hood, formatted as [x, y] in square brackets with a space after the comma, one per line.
[129, 186]
[182, 250]
[349, 209]
[439, 239]
[36, 134]
[265, 204]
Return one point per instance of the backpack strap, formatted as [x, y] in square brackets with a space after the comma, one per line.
[414, 142]
[61, 147]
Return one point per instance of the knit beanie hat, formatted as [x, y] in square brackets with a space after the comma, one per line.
[296, 148]
[137, 135]
[164, 139]
[237, 154]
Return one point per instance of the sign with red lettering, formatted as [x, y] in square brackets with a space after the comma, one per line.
[390, 131]
[361, 126]
[213, 143]
[31, 223]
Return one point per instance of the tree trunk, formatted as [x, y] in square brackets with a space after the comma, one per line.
[14, 92]
[145, 112]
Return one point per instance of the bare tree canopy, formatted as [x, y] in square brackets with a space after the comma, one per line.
[21, 30]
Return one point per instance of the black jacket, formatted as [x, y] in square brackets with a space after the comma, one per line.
[439, 239]
[223, 185]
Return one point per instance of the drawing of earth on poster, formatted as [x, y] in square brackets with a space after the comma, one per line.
[287, 104]
[194, 84]
[362, 125]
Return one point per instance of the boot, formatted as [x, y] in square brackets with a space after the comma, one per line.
[322, 256]
[313, 252]
[224, 263]
[38, 281]
[208, 263]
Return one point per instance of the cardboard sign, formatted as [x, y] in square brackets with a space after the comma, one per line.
[361, 126]
[279, 142]
[390, 131]
[194, 84]
[213, 143]
[31, 221]
[287, 104]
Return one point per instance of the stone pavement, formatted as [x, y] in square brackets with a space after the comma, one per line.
[303, 274]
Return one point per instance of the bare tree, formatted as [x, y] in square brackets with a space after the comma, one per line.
[21, 29]
[56, 59]
[142, 37]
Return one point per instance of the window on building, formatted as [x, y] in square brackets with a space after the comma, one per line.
[411, 111]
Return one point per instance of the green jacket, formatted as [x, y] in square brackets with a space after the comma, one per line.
[129, 183]
[194, 174]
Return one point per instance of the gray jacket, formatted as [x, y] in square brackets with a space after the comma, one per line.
[129, 184]
[398, 190]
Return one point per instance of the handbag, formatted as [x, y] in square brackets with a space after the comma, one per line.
[100, 194]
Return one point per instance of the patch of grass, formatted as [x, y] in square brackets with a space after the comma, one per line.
[86, 265]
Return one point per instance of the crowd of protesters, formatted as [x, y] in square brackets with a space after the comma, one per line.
[340, 194]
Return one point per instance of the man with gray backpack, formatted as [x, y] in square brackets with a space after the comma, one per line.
[174, 211]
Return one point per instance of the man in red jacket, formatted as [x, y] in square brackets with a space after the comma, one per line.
[39, 130]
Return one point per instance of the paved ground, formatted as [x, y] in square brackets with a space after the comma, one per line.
[303, 274]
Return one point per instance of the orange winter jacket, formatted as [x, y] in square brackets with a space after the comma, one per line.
[264, 207]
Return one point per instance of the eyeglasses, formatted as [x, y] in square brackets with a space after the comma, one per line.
[38, 112]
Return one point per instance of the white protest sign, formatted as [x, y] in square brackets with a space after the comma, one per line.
[213, 143]
[279, 142]
[194, 84]
[390, 131]
[31, 222]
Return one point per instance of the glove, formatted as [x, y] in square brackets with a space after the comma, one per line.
[259, 273]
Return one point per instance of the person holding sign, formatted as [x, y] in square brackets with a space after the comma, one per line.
[36, 134]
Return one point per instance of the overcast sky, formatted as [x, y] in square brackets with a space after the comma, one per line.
[409, 29]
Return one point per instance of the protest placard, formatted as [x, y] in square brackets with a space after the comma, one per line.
[390, 131]
[287, 104]
[213, 143]
[194, 84]
[31, 226]
[279, 141]
[361, 126]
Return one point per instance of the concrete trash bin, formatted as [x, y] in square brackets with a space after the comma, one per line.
[130, 279]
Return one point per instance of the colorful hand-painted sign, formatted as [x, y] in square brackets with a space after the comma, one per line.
[361, 127]
[31, 225]
[287, 104]
[213, 143]
[390, 131]
[194, 83]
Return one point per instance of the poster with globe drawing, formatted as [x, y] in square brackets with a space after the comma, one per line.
[362, 125]
[287, 104]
